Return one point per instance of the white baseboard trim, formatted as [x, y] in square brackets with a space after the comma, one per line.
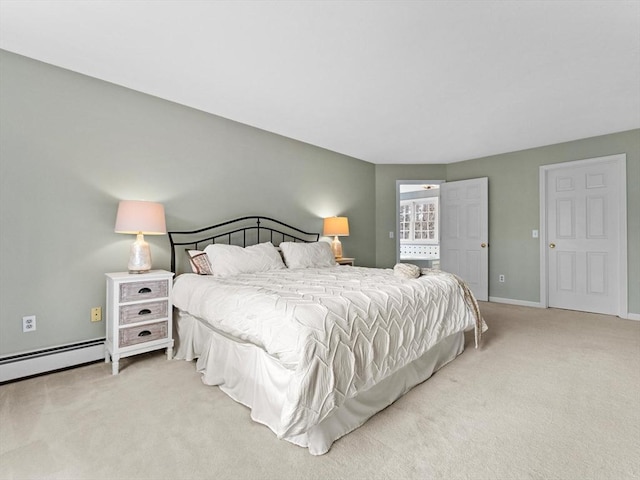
[511, 301]
[524, 303]
[47, 360]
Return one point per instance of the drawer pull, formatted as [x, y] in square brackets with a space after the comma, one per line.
[144, 290]
[144, 333]
[144, 311]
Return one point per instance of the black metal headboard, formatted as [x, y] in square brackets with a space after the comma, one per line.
[242, 231]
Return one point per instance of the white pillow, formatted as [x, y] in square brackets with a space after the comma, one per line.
[231, 260]
[307, 255]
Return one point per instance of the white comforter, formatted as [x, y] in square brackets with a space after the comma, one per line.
[340, 330]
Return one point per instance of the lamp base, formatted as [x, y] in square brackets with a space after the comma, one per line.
[139, 256]
[336, 248]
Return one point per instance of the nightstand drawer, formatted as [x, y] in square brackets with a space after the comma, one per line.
[134, 291]
[144, 333]
[142, 312]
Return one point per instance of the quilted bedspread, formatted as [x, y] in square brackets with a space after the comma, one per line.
[340, 330]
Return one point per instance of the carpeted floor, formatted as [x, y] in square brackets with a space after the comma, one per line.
[551, 394]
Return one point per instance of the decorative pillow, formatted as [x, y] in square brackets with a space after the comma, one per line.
[231, 260]
[407, 270]
[307, 255]
[199, 262]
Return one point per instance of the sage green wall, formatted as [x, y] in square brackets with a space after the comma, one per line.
[514, 211]
[72, 146]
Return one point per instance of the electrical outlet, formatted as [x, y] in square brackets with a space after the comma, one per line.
[29, 323]
[96, 314]
[501, 278]
[391, 234]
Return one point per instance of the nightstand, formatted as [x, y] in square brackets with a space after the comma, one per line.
[346, 261]
[139, 315]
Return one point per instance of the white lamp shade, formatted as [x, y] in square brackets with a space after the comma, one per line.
[135, 216]
[336, 226]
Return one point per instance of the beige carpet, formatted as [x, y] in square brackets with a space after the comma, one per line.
[552, 394]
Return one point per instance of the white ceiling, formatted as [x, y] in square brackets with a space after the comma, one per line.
[383, 81]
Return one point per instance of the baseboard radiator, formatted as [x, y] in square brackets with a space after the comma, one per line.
[46, 360]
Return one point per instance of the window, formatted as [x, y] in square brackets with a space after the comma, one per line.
[419, 220]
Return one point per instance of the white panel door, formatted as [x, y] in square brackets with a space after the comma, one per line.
[583, 236]
[464, 241]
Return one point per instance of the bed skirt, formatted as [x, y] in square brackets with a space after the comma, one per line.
[250, 376]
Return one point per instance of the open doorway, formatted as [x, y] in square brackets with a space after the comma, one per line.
[418, 222]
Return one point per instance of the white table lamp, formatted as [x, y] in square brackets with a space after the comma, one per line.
[140, 218]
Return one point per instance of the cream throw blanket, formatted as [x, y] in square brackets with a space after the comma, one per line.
[409, 270]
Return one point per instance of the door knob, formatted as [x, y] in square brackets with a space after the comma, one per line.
[483, 245]
[552, 245]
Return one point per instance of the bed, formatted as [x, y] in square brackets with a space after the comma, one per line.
[314, 349]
